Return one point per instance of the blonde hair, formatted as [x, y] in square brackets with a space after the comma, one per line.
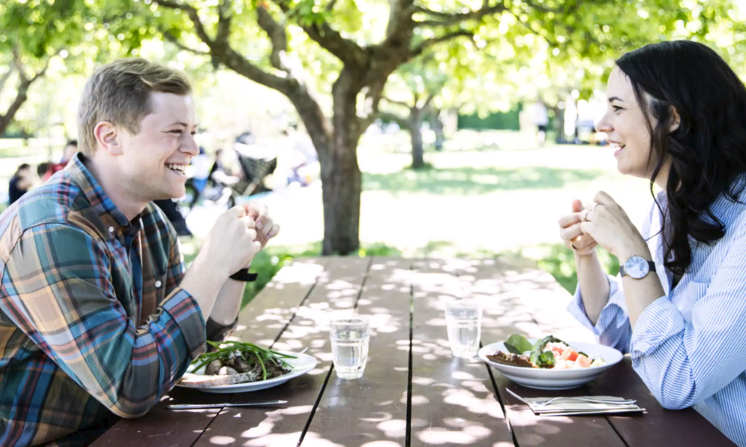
[119, 93]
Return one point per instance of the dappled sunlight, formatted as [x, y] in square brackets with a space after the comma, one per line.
[469, 434]
[299, 272]
[381, 444]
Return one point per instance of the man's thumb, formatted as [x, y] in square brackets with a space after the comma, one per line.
[577, 206]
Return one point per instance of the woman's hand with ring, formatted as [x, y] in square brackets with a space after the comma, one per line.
[608, 224]
[572, 234]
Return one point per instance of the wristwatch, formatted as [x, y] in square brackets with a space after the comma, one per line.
[244, 275]
[636, 267]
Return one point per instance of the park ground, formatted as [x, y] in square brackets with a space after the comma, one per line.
[485, 194]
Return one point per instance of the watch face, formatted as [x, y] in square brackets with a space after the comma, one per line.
[636, 267]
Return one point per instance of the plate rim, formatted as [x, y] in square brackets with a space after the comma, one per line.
[276, 380]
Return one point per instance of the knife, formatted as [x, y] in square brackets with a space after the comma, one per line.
[203, 406]
[593, 412]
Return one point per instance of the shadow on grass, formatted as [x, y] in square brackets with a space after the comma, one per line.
[475, 181]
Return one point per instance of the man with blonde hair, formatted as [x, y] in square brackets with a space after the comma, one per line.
[98, 316]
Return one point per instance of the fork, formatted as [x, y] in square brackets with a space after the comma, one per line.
[539, 404]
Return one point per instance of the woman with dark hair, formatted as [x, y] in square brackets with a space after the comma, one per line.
[676, 116]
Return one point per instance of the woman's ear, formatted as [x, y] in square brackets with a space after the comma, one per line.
[675, 120]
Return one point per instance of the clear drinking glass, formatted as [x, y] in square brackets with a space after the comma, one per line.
[349, 337]
[464, 322]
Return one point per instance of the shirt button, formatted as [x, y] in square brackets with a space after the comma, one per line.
[157, 283]
[111, 229]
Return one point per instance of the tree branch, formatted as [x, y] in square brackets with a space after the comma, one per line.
[171, 38]
[416, 51]
[22, 93]
[224, 21]
[331, 5]
[277, 36]
[430, 98]
[199, 27]
[452, 18]
[396, 102]
[5, 77]
[388, 116]
[331, 40]
[222, 51]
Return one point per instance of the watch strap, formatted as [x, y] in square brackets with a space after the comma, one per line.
[623, 272]
[244, 275]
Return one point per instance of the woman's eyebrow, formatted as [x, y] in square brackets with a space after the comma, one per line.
[615, 98]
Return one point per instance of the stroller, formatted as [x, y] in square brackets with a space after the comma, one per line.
[256, 162]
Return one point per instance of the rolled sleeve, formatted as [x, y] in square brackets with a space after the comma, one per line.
[612, 328]
[185, 311]
[661, 320]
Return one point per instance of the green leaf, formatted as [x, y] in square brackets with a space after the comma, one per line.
[512, 349]
[519, 343]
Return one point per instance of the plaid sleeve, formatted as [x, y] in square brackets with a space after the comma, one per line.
[176, 269]
[57, 289]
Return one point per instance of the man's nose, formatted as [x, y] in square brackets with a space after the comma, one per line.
[190, 146]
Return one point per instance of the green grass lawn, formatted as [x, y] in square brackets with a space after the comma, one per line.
[486, 194]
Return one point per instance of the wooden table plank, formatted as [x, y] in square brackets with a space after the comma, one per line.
[453, 399]
[336, 290]
[266, 316]
[374, 407]
[506, 291]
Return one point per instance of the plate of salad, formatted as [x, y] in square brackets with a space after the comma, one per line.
[549, 363]
[237, 367]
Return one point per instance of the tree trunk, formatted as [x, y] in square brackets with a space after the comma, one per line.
[415, 125]
[437, 125]
[341, 179]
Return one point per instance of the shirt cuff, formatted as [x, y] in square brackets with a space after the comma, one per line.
[185, 311]
[660, 321]
[609, 314]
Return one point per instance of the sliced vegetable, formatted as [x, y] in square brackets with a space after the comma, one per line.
[582, 361]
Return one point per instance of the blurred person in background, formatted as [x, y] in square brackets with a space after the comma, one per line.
[538, 113]
[20, 183]
[201, 164]
[71, 148]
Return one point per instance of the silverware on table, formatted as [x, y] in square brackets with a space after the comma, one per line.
[597, 400]
[207, 406]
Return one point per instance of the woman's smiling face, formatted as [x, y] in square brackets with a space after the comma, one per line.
[626, 127]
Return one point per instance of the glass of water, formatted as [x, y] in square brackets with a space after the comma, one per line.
[464, 322]
[349, 337]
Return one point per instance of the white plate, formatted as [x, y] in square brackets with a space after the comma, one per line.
[550, 379]
[301, 365]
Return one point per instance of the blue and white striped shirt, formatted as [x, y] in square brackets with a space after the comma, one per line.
[688, 346]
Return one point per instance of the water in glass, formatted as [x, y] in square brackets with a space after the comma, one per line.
[349, 338]
[464, 323]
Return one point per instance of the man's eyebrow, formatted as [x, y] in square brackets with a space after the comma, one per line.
[615, 98]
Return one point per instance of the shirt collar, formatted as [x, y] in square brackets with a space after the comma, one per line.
[113, 220]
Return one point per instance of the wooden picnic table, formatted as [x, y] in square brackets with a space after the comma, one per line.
[413, 392]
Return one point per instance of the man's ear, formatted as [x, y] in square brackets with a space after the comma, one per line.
[107, 137]
[675, 120]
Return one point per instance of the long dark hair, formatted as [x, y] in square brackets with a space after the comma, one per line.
[707, 150]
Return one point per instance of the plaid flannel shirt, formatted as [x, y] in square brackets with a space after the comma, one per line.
[92, 320]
